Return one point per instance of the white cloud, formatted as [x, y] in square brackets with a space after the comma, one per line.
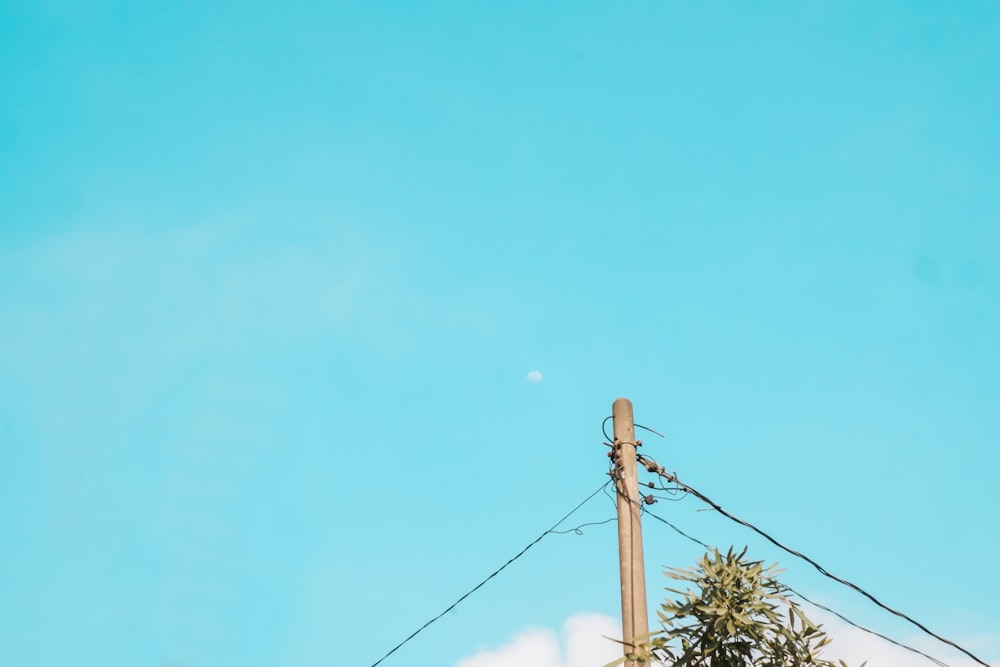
[855, 646]
[583, 645]
[535, 376]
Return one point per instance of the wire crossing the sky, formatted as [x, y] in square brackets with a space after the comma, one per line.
[791, 590]
[497, 571]
[652, 466]
[641, 502]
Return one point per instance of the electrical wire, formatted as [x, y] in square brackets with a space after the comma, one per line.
[937, 662]
[652, 466]
[493, 574]
[607, 437]
[578, 530]
[674, 494]
[651, 430]
[604, 429]
[608, 494]
[675, 528]
[718, 508]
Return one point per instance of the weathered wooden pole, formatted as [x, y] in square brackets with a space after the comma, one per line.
[633, 574]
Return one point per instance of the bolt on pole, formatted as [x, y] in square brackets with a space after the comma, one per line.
[633, 574]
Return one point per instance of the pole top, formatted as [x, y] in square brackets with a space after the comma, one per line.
[621, 412]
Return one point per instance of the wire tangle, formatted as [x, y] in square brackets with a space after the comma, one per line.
[675, 491]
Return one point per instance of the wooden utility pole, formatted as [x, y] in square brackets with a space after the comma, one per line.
[633, 573]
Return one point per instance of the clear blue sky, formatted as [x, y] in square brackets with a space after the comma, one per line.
[272, 276]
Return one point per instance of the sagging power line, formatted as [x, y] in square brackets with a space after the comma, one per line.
[631, 506]
[796, 593]
[653, 467]
[500, 569]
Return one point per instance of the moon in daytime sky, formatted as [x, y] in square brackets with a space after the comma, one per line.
[535, 376]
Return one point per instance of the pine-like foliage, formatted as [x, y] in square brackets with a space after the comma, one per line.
[733, 613]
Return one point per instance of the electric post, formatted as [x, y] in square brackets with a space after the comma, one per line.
[629, 502]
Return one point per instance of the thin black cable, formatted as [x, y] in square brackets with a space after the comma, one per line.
[676, 529]
[678, 485]
[718, 508]
[669, 498]
[607, 437]
[578, 530]
[651, 430]
[493, 574]
[674, 494]
[604, 429]
[937, 662]
[610, 497]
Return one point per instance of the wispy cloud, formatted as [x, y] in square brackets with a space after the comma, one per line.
[104, 326]
[89, 301]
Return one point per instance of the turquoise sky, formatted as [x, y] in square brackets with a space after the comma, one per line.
[272, 277]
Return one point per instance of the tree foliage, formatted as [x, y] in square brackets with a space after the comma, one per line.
[732, 613]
